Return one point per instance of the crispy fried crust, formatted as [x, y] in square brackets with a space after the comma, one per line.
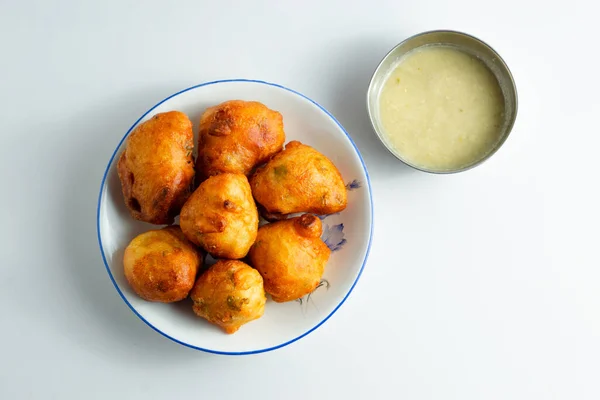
[299, 179]
[157, 167]
[235, 136]
[290, 257]
[221, 216]
[161, 265]
[230, 294]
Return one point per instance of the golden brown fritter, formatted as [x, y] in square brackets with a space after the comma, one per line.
[235, 136]
[161, 265]
[157, 167]
[290, 256]
[221, 216]
[299, 179]
[229, 294]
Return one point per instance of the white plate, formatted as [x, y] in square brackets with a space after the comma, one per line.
[348, 233]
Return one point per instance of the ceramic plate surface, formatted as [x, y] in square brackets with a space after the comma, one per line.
[348, 233]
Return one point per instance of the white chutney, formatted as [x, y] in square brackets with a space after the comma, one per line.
[441, 109]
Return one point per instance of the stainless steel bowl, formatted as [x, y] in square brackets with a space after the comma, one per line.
[465, 43]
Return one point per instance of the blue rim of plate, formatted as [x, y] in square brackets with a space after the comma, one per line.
[233, 353]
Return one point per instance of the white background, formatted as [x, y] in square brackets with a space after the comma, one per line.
[481, 285]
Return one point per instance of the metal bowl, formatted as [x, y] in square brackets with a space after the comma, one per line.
[465, 43]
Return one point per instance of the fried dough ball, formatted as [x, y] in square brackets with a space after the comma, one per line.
[237, 135]
[221, 216]
[299, 179]
[229, 294]
[157, 167]
[290, 256]
[161, 265]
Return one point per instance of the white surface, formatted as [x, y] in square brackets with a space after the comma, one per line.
[282, 322]
[482, 285]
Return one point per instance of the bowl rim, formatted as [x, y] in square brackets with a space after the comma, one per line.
[488, 155]
[103, 184]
